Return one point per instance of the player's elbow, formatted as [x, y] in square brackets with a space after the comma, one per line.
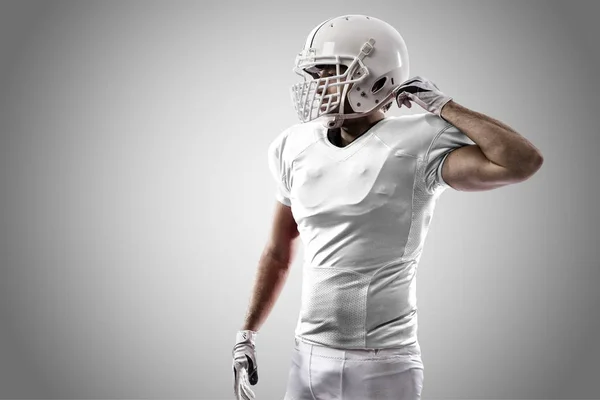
[527, 169]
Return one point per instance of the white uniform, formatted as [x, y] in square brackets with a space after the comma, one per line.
[363, 212]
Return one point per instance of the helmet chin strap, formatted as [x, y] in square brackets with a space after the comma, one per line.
[335, 121]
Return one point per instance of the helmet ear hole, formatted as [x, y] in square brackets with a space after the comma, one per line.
[378, 85]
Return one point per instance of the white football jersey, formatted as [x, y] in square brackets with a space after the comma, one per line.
[363, 212]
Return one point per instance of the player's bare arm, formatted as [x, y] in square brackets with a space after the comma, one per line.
[273, 267]
[500, 157]
[272, 273]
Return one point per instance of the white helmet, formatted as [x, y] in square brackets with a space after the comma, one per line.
[376, 59]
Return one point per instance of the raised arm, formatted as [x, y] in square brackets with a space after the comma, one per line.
[499, 157]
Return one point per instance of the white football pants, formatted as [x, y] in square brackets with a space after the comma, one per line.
[324, 373]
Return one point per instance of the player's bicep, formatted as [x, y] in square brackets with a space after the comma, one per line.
[468, 169]
[283, 232]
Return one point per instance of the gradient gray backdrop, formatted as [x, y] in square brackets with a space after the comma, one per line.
[136, 197]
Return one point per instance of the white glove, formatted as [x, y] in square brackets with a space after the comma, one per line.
[245, 371]
[423, 92]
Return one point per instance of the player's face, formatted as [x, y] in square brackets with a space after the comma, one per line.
[323, 71]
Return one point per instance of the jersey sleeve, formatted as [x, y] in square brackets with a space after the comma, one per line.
[279, 169]
[447, 140]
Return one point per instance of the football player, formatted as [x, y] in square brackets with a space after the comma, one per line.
[359, 189]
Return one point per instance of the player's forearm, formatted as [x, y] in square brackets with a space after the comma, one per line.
[270, 279]
[500, 143]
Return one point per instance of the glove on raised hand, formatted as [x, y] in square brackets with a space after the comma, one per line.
[423, 92]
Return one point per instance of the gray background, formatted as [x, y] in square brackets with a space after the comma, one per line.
[136, 197]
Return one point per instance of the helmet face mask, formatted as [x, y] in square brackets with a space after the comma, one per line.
[312, 98]
[376, 62]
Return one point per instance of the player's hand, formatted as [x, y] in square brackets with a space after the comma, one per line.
[423, 92]
[245, 371]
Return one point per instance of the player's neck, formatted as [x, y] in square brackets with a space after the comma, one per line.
[354, 128]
